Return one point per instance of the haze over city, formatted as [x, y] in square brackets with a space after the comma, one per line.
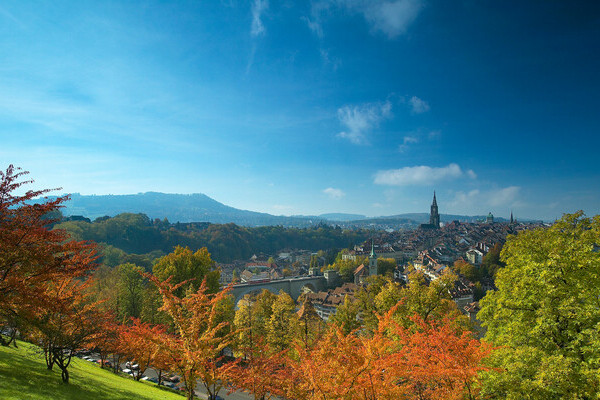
[293, 108]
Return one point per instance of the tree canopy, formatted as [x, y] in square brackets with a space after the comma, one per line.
[545, 314]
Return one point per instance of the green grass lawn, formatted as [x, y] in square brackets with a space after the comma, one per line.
[23, 375]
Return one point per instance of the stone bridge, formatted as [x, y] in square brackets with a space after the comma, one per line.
[292, 286]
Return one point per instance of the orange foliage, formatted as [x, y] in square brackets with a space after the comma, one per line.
[430, 360]
[263, 374]
[67, 322]
[139, 343]
[194, 350]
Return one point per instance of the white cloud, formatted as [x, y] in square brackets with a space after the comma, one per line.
[419, 175]
[392, 17]
[477, 201]
[418, 106]
[258, 7]
[505, 196]
[359, 120]
[334, 194]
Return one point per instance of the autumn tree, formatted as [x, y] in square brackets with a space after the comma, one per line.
[195, 348]
[546, 313]
[433, 362]
[68, 322]
[107, 338]
[262, 373]
[31, 254]
[310, 325]
[139, 344]
[252, 318]
[282, 325]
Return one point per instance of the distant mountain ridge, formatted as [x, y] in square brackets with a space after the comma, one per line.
[196, 207]
[199, 207]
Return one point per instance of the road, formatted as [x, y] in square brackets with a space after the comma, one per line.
[201, 391]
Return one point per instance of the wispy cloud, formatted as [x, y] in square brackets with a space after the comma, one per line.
[420, 175]
[333, 193]
[258, 7]
[334, 62]
[408, 140]
[487, 200]
[392, 18]
[417, 105]
[359, 120]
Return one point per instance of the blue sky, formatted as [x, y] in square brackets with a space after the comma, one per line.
[309, 107]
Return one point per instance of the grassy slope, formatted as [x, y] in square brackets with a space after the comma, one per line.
[23, 375]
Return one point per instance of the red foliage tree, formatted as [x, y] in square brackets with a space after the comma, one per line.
[139, 343]
[263, 373]
[31, 254]
[67, 323]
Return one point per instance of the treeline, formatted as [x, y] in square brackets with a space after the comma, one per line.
[139, 234]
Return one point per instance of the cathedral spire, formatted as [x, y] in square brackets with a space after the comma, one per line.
[434, 217]
[372, 259]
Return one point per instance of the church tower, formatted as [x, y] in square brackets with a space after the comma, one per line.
[372, 260]
[434, 217]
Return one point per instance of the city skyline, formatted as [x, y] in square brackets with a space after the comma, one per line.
[329, 106]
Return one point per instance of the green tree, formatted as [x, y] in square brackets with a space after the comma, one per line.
[429, 301]
[545, 315]
[131, 287]
[491, 262]
[466, 269]
[346, 316]
[252, 318]
[386, 266]
[183, 264]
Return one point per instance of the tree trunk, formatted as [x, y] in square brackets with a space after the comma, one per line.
[49, 358]
[65, 375]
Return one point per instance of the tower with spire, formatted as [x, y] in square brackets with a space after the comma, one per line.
[372, 260]
[434, 217]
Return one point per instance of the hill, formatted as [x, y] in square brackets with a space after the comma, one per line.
[176, 208]
[199, 207]
[23, 375]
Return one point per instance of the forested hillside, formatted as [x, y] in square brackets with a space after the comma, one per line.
[138, 234]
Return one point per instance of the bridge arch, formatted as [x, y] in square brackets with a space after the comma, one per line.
[293, 286]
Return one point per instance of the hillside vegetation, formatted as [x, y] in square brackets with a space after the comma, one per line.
[23, 375]
[138, 234]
